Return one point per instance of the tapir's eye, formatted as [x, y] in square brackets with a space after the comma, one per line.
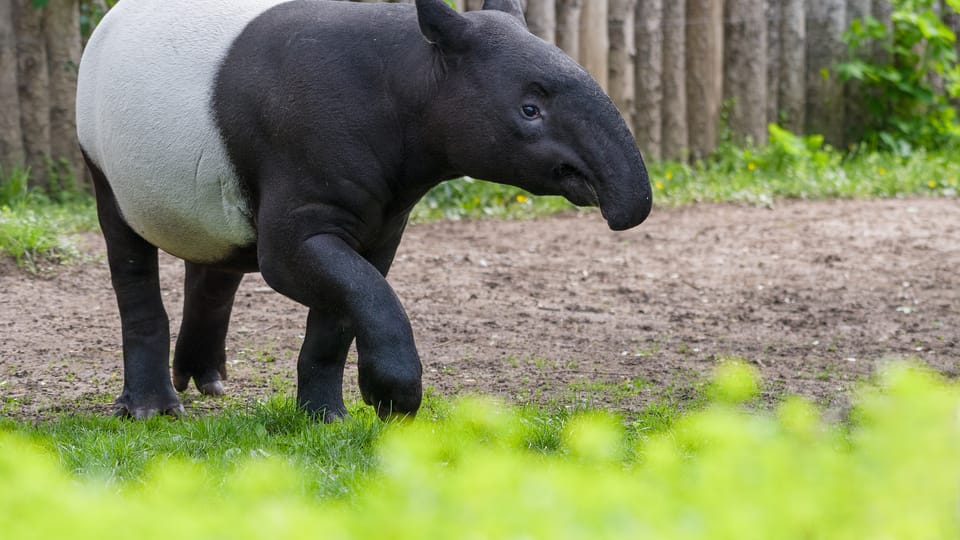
[530, 111]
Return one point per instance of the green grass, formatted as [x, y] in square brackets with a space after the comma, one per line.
[35, 229]
[476, 469]
[803, 168]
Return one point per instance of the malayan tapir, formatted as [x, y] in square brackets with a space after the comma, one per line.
[293, 138]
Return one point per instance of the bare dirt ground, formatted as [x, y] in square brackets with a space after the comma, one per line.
[561, 311]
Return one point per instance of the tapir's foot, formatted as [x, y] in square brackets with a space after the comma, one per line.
[328, 413]
[209, 382]
[393, 393]
[324, 402]
[141, 407]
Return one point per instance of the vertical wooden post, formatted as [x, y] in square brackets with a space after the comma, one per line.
[774, 11]
[826, 22]
[792, 87]
[594, 40]
[745, 69]
[61, 23]
[568, 27]
[11, 137]
[648, 77]
[622, 53]
[542, 19]
[33, 79]
[704, 74]
[675, 134]
[855, 111]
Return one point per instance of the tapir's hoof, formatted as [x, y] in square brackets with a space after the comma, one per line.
[212, 388]
[122, 409]
[209, 383]
[396, 407]
[392, 394]
[330, 416]
[326, 413]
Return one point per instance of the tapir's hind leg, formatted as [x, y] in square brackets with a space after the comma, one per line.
[320, 365]
[200, 353]
[145, 328]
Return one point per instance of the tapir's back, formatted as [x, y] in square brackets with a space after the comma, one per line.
[144, 117]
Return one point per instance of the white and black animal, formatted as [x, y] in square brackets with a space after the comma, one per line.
[293, 138]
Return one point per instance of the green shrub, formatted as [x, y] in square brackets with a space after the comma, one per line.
[718, 473]
[909, 87]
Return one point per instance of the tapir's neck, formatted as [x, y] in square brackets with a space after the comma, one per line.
[414, 78]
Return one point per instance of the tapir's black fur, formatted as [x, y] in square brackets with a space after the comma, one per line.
[338, 117]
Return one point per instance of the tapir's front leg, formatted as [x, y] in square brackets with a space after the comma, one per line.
[326, 274]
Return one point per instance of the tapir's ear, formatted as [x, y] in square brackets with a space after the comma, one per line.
[512, 7]
[441, 24]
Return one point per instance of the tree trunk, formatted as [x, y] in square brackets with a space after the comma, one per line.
[674, 80]
[745, 69]
[622, 55]
[704, 52]
[648, 77]
[855, 111]
[826, 21]
[594, 40]
[33, 79]
[11, 138]
[542, 19]
[774, 10]
[791, 97]
[62, 32]
[568, 27]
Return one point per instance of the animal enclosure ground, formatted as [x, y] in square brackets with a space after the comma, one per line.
[561, 311]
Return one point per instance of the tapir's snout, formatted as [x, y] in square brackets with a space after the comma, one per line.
[623, 189]
[628, 202]
[629, 216]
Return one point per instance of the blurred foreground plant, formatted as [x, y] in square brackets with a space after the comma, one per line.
[719, 473]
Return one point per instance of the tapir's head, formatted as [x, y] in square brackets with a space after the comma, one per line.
[514, 109]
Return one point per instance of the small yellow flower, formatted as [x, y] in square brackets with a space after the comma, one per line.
[751, 166]
[521, 199]
[953, 181]
[881, 171]
[669, 175]
[932, 184]
[659, 184]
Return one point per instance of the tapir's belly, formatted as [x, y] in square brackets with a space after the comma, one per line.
[144, 116]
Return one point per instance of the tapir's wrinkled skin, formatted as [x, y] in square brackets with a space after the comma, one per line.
[294, 138]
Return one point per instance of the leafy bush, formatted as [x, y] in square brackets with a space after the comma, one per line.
[718, 473]
[909, 87]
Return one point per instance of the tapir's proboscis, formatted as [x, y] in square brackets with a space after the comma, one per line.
[293, 138]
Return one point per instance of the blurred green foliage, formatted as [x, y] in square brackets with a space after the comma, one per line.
[718, 473]
[910, 76]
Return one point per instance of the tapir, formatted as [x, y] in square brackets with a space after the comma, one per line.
[293, 138]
